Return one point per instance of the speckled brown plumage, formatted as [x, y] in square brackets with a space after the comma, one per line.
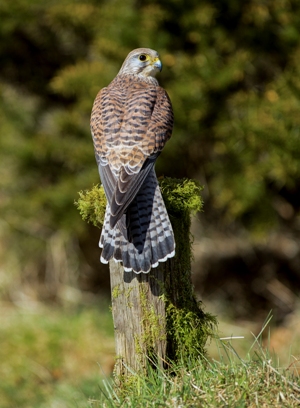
[131, 121]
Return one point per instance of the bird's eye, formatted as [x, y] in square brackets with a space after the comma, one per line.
[142, 57]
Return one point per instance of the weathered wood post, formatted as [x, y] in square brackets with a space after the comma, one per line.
[139, 315]
[157, 319]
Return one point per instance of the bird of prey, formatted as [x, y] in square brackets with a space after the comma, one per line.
[131, 120]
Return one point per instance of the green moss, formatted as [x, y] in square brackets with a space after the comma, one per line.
[138, 345]
[188, 330]
[181, 195]
[188, 326]
[153, 328]
[92, 204]
[115, 293]
[153, 323]
[127, 292]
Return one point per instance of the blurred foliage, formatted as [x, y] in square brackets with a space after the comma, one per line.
[231, 69]
[54, 357]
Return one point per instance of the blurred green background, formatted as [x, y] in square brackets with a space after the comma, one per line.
[232, 71]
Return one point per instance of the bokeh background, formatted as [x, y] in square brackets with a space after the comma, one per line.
[232, 71]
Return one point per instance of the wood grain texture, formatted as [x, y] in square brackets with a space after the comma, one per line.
[139, 317]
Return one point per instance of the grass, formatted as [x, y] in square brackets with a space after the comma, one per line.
[63, 358]
[254, 383]
[229, 381]
[49, 357]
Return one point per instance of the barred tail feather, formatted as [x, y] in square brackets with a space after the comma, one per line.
[148, 239]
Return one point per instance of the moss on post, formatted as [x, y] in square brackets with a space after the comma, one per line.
[92, 204]
[188, 327]
[172, 325]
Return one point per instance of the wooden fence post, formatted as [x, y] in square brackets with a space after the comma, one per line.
[157, 319]
[139, 317]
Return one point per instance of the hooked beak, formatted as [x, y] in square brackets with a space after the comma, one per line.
[157, 64]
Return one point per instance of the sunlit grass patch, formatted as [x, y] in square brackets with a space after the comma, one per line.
[229, 381]
[53, 355]
[253, 383]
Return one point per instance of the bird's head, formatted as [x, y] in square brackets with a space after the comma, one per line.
[143, 62]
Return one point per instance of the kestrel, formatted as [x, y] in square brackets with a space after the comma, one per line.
[132, 119]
